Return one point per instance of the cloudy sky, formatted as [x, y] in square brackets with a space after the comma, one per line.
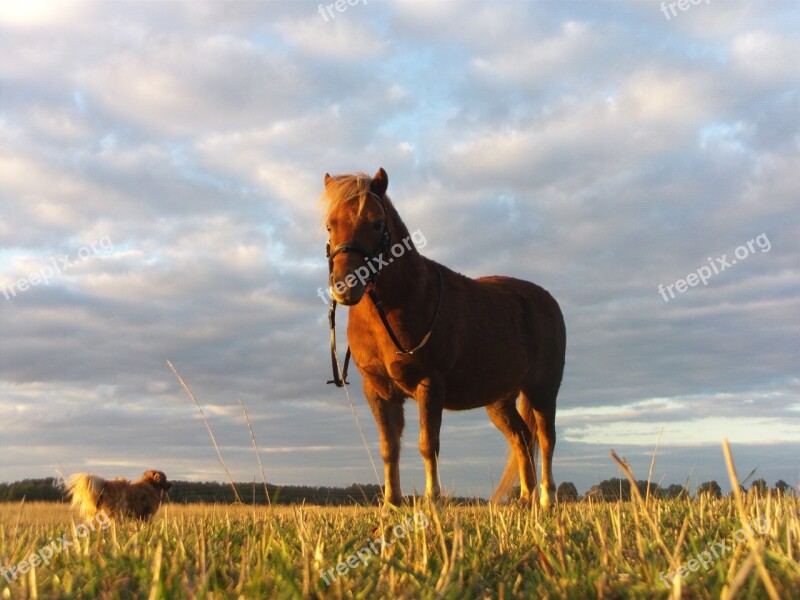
[160, 169]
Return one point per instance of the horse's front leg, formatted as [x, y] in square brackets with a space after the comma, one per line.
[390, 419]
[430, 398]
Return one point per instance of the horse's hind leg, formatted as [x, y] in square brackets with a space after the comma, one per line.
[507, 419]
[546, 432]
[542, 403]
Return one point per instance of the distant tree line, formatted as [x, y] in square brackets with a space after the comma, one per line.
[185, 492]
[620, 489]
[31, 489]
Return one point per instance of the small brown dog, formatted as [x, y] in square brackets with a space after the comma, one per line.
[118, 498]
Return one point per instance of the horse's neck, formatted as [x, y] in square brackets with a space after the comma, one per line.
[406, 282]
[403, 283]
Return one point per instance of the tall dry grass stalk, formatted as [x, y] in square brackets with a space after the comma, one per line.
[756, 548]
[358, 424]
[653, 465]
[258, 454]
[211, 433]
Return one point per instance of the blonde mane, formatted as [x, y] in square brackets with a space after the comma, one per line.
[344, 188]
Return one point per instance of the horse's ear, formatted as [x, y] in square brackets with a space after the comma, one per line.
[328, 179]
[379, 183]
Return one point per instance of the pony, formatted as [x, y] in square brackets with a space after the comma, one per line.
[440, 338]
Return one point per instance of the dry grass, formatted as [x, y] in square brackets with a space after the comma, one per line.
[585, 550]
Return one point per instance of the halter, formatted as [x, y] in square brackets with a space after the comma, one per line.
[383, 246]
[353, 246]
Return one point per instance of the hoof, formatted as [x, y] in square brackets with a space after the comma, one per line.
[438, 500]
[393, 501]
[545, 498]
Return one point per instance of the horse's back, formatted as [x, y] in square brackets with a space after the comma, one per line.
[497, 294]
[507, 330]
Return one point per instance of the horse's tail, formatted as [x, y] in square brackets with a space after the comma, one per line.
[85, 490]
[510, 475]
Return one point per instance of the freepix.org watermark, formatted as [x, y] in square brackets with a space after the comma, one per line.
[57, 266]
[339, 5]
[364, 272]
[668, 8]
[373, 547]
[714, 551]
[46, 553]
[715, 267]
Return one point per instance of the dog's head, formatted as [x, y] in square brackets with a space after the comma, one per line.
[157, 479]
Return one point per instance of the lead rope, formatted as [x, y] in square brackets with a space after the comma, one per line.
[358, 423]
[337, 380]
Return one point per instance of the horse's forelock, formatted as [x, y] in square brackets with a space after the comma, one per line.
[343, 188]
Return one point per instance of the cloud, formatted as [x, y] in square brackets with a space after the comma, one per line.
[760, 56]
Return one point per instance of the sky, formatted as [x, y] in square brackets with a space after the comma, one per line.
[161, 165]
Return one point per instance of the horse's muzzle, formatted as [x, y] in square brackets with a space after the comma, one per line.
[347, 291]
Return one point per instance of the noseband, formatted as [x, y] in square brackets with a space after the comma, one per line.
[383, 246]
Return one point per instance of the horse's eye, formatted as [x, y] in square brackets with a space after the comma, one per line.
[377, 225]
[328, 227]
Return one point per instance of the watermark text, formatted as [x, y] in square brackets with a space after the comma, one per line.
[373, 547]
[668, 8]
[326, 10]
[57, 266]
[46, 553]
[715, 550]
[715, 267]
[372, 267]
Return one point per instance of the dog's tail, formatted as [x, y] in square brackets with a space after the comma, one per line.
[85, 490]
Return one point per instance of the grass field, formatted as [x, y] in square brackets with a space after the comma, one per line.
[583, 550]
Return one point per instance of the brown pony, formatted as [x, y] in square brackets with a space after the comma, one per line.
[443, 339]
